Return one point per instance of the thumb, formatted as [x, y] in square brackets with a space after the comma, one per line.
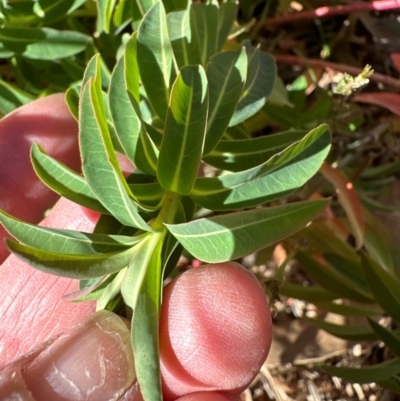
[92, 361]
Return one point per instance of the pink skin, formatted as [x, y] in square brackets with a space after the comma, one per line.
[218, 314]
[32, 309]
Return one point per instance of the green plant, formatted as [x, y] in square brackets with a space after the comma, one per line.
[175, 99]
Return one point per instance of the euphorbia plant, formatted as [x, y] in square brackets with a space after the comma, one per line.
[175, 100]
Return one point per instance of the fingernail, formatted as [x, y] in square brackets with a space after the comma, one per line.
[94, 361]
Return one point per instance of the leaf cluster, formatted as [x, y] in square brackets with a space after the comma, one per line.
[176, 99]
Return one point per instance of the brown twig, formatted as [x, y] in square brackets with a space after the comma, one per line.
[324, 12]
[308, 62]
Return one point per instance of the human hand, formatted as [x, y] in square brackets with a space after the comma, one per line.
[215, 326]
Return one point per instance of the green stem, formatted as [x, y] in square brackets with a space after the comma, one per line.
[170, 204]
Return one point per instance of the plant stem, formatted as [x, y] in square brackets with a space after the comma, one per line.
[308, 62]
[324, 12]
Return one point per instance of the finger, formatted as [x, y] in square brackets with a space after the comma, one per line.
[48, 122]
[215, 331]
[92, 361]
[31, 306]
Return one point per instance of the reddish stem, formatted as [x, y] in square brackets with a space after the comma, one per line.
[324, 12]
[307, 62]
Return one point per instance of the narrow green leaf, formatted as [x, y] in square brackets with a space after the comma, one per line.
[72, 99]
[369, 374]
[79, 266]
[384, 286]
[392, 384]
[90, 292]
[381, 244]
[184, 132]
[98, 154]
[245, 153]
[135, 143]
[43, 43]
[226, 74]
[391, 340]
[184, 42]
[228, 10]
[104, 15]
[111, 291]
[54, 10]
[310, 294]
[351, 269]
[332, 280]
[261, 73]
[346, 332]
[145, 324]
[237, 132]
[149, 195]
[349, 310]
[64, 241]
[155, 58]
[174, 5]
[226, 237]
[274, 179]
[138, 9]
[12, 97]
[322, 238]
[204, 20]
[132, 75]
[63, 180]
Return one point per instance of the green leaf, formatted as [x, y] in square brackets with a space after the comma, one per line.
[43, 43]
[332, 280]
[237, 132]
[98, 154]
[111, 291]
[132, 75]
[226, 74]
[346, 332]
[310, 294]
[348, 310]
[391, 340]
[348, 199]
[72, 99]
[228, 10]
[53, 10]
[323, 239]
[185, 127]
[384, 286]
[12, 97]
[149, 195]
[79, 266]
[245, 153]
[174, 5]
[137, 9]
[155, 58]
[63, 180]
[104, 15]
[145, 324]
[204, 20]
[226, 237]
[392, 384]
[261, 73]
[92, 291]
[64, 241]
[381, 244]
[184, 42]
[351, 269]
[274, 179]
[369, 374]
[125, 113]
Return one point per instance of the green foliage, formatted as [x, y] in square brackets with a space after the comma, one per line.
[176, 99]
